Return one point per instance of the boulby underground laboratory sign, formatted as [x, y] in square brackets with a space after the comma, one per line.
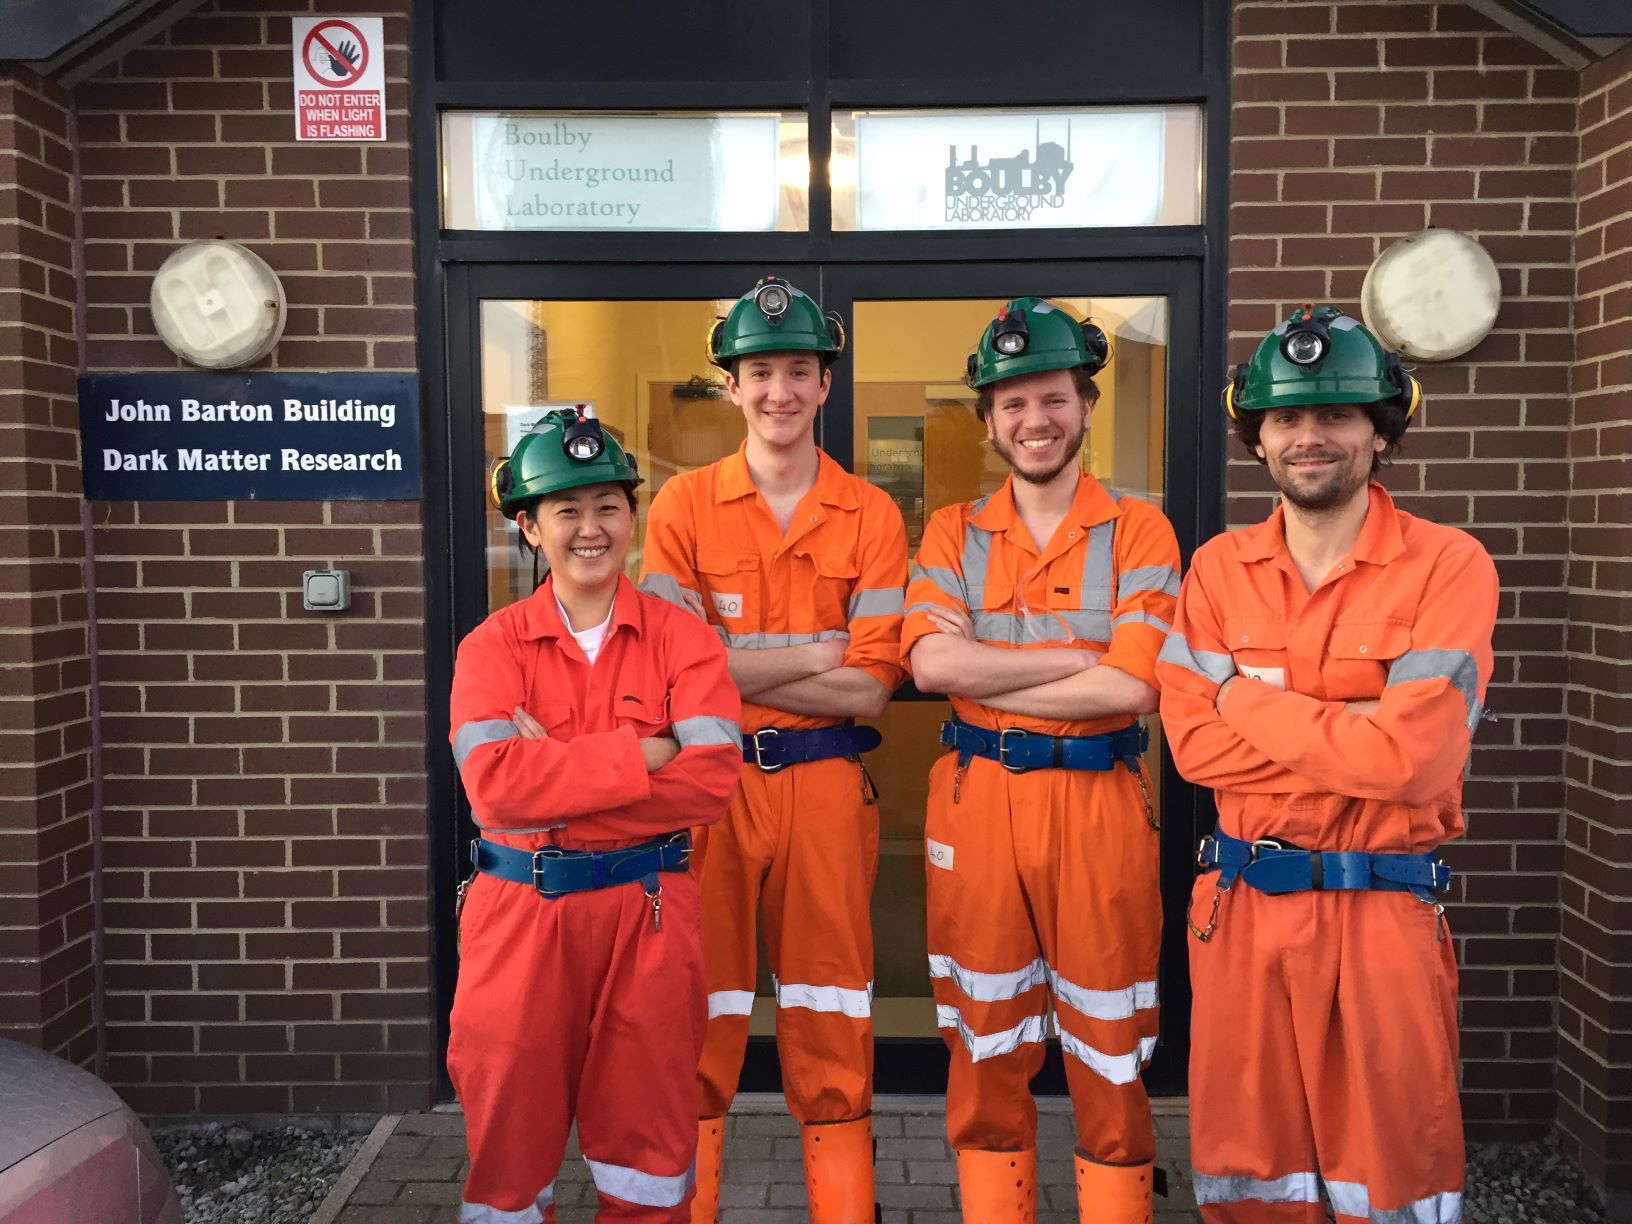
[645, 172]
[220, 437]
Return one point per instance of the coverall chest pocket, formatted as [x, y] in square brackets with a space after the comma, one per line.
[831, 586]
[731, 589]
[554, 716]
[1258, 646]
[1357, 657]
[644, 713]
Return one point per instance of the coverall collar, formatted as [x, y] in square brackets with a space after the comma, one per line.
[1380, 540]
[541, 619]
[1091, 506]
[832, 487]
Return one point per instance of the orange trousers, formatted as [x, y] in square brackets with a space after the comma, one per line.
[1323, 1053]
[1043, 887]
[577, 1008]
[799, 847]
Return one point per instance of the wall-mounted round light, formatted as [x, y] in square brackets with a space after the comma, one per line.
[218, 305]
[1432, 296]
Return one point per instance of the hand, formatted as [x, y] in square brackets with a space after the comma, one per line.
[1362, 707]
[954, 622]
[1218, 701]
[658, 751]
[527, 725]
[1090, 658]
[828, 655]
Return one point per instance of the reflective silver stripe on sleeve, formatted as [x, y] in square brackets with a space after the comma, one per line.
[771, 641]
[691, 732]
[1103, 1004]
[633, 1186]
[730, 1003]
[1116, 1068]
[1163, 578]
[1205, 663]
[1231, 1188]
[924, 607]
[1142, 618]
[877, 601]
[668, 588]
[857, 1004]
[988, 987]
[1457, 666]
[481, 1213]
[474, 734]
[1029, 1031]
[946, 581]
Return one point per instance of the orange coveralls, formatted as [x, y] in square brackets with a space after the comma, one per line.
[1323, 1036]
[801, 844]
[579, 1006]
[1044, 884]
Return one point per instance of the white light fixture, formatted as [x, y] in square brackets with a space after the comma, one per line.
[218, 305]
[1432, 296]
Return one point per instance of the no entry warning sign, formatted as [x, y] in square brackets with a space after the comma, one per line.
[339, 78]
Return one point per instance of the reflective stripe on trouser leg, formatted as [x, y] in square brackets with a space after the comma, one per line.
[730, 860]
[816, 908]
[481, 1213]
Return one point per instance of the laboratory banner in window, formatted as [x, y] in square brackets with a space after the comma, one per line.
[1017, 169]
[565, 170]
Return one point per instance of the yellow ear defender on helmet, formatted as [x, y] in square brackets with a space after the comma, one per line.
[499, 481]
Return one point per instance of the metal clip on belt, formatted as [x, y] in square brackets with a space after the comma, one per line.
[1275, 867]
[772, 748]
[1020, 751]
[554, 872]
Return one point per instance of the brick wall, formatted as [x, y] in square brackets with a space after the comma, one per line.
[268, 942]
[47, 917]
[1595, 948]
[1355, 124]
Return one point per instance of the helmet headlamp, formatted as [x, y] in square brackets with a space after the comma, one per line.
[773, 300]
[582, 439]
[1308, 336]
[1010, 334]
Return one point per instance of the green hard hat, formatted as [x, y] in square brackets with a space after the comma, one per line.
[565, 450]
[1031, 335]
[772, 317]
[1320, 355]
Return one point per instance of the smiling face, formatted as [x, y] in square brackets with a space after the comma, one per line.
[779, 394]
[1319, 456]
[583, 533]
[1037, 423]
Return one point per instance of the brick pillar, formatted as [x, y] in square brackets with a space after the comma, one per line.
[47, 915]
[1595, 947]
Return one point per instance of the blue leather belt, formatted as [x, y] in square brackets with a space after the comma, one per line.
[554, 872]
[1019, 751]
[1276, 867]
[772, 748]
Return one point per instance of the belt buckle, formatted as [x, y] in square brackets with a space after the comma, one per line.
[759, 750]
[1003, 748]
[1201, 852]
[538, 871]
[1264, 843]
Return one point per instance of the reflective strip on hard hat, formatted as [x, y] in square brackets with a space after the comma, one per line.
[857, 1004]
[1232, 1188]
[773, 641]
[730, 1003]
[1029, 1031]
[1354, 1198]
[474, 734]
[481, 1213]
[877, 601]
[644, 1189]
[1103, 1004]
[1207, 664]
[1116, 1068]
[1457, 666]
[988, 987]
[693, 732]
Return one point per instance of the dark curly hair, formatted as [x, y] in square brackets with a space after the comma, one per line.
[1387, 418]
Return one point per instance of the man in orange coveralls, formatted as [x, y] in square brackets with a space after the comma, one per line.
[800, 567]
[592, 724]
[1324, 677]
[1039, 610]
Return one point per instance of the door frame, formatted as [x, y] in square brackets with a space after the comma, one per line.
[1192, 462]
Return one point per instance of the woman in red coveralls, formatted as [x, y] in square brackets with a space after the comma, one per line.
[592, 725]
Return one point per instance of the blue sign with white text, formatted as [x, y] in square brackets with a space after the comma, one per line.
[201, 436]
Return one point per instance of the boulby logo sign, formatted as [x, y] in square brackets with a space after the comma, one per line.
[1008, 188]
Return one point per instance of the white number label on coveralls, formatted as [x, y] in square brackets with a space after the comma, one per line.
[727, 605]
[1275, 677]
[940, 854]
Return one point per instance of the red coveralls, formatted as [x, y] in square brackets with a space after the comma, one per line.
[1323, 1037]
[1043, 885]
[578, 1006]
[801, 844]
